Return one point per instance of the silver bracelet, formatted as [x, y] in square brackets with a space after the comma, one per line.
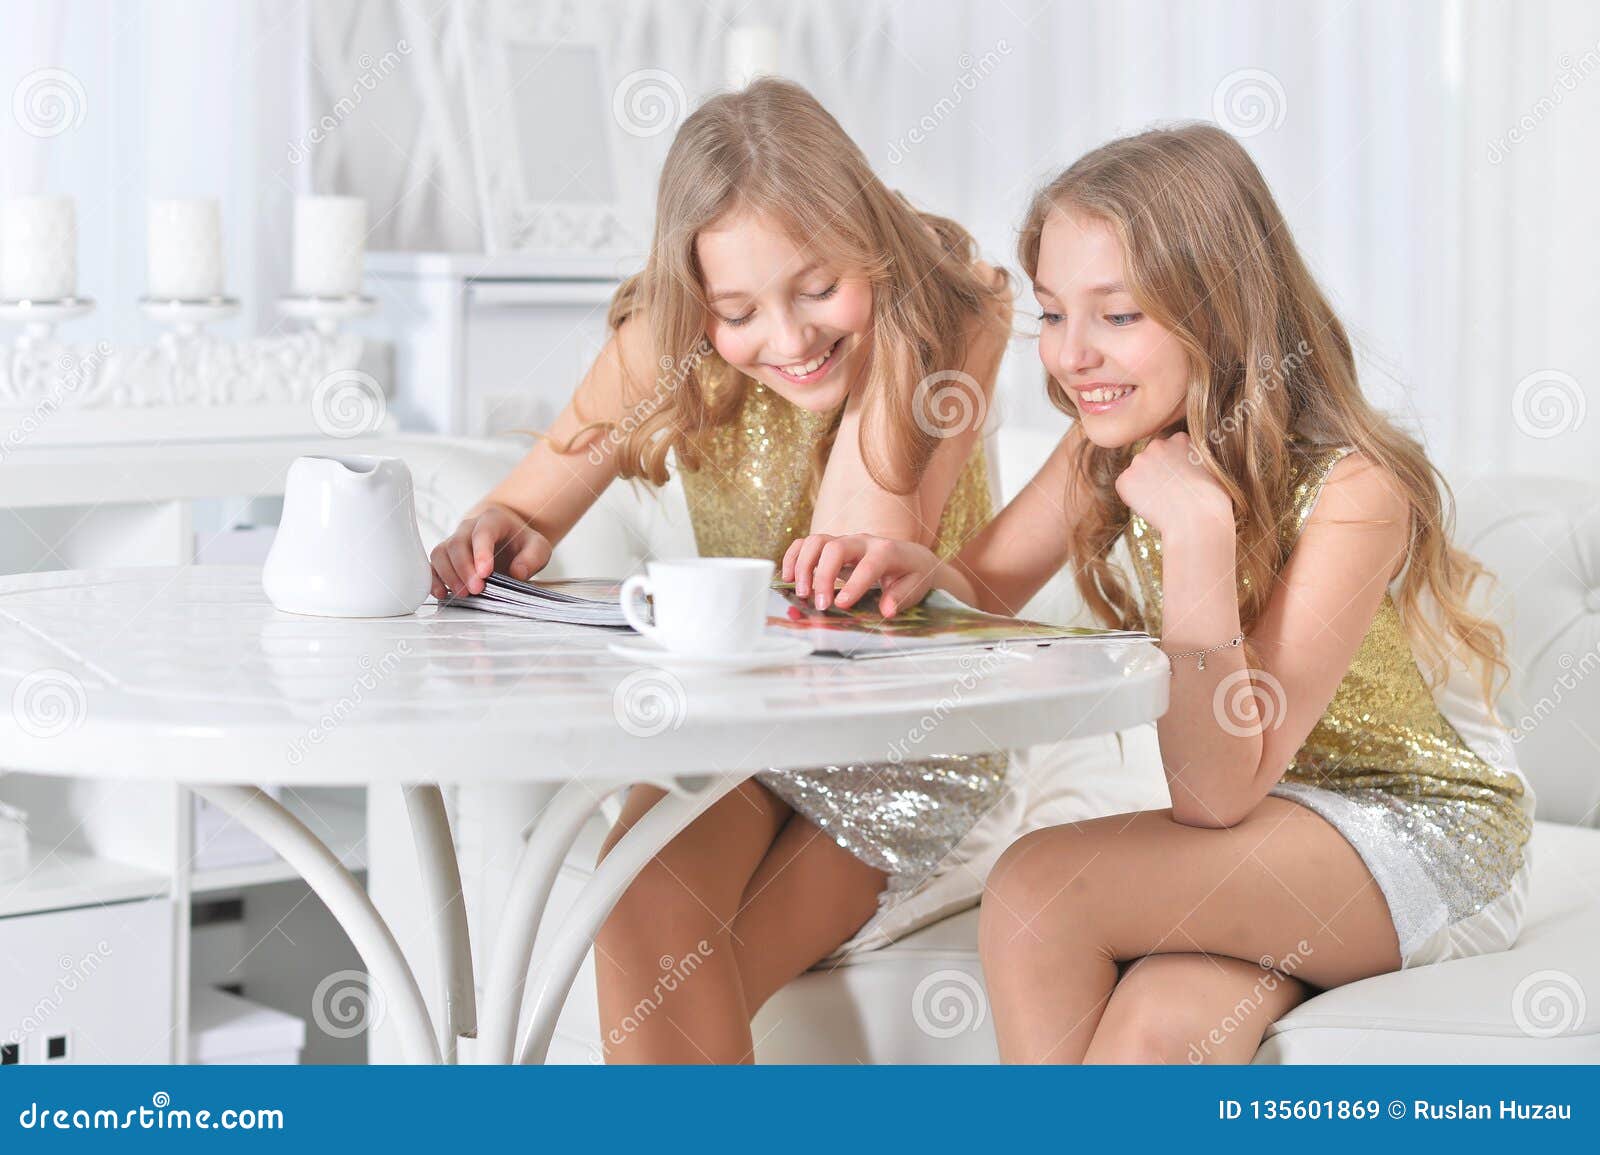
[1200, 664]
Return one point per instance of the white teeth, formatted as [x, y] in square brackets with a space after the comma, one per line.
[1101, 395]
[810, 366]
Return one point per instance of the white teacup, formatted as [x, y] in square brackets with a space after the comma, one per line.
[703, 605]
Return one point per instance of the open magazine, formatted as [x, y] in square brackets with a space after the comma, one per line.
[938, 622]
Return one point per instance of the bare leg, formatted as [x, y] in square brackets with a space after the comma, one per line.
[1192, 1008]
[665, 961]
[809, 895]
[1065, 905]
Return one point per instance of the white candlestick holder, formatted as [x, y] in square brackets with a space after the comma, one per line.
[188, 317]
[40, 318]
[325, 314]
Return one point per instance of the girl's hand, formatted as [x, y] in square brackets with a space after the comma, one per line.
[463, 560]
[1165, 486]
[902, 569]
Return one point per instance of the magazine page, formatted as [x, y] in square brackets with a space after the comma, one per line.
[938, 622]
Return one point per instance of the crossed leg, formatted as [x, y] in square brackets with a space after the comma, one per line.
[1280, 891]
[1192, 1008]
[748, 896]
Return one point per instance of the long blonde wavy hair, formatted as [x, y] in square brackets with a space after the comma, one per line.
[773, 150]
[1209, 257]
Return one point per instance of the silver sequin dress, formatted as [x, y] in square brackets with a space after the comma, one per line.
[1441, 827]
[750, 497]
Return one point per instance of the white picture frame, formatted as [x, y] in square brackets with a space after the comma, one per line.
[543, 140]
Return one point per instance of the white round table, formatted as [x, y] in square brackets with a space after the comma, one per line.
[188, 674]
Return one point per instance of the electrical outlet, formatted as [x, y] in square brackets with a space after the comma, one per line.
[55, 1049]
[10, 1054]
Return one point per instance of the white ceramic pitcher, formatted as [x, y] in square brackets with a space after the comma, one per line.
[347, 545]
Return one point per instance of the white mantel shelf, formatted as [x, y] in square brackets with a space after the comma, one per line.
[609, 267]
[187, 470]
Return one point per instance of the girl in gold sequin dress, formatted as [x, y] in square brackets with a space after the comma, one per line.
[1344, 799]
[778, 345]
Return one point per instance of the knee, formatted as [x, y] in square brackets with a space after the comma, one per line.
[1040, 883]
[1147, 1027]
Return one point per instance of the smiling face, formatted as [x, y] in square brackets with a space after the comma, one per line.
[1126, 375]
[781, 313]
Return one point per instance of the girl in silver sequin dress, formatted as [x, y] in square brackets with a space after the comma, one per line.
[1337, 812]
[774, 344]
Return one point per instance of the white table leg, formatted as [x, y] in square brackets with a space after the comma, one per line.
[559, 967]
[538, 865]
[447, 914]
[346, 901]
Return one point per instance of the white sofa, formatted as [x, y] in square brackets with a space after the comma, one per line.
[920, 999]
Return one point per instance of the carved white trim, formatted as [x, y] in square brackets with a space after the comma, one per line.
[54, 392]
[174, 371]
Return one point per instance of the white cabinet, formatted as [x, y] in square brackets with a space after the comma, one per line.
[484, 345]
[90, 985]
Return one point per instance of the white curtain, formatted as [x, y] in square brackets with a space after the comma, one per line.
[115, 104]
[1435, 160]
[1437, 164]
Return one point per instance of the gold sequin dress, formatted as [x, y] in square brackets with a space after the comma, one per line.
[751, 497]
[1442, 826]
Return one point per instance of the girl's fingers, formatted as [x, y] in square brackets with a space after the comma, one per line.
[837, 554]
[868, 572]
[458, 547]
[806, 561]
[531, 558]
[484, 542]
[899, 593]
[444, 568]
[787, 572]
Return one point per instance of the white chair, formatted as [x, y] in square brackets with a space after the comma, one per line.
[921, 999]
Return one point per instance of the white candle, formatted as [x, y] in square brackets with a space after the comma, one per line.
[750, 51]
[184, 260]
[38, 249]
[330, 239]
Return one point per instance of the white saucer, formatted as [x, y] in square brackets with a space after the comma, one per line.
[769, 652]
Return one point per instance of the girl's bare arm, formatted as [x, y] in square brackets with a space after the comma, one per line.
[517, 524]
[1230, 731]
